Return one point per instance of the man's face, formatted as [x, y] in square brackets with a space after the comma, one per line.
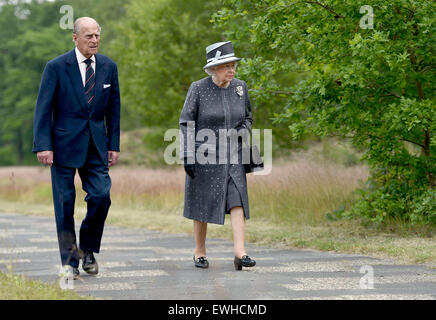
[88, 39]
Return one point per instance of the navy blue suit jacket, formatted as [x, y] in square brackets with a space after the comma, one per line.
[63, 122]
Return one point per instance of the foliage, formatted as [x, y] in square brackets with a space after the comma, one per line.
[160, 48]
[374, 86]
[29, 42]
[31, 36]
[267, 72]
[143, 147]
[20, 287]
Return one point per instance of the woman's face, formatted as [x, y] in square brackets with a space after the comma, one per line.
[225, 72]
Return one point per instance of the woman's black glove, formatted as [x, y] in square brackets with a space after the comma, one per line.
[190, 169]
[240, 127]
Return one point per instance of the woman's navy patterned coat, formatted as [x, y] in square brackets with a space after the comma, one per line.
[217, 109]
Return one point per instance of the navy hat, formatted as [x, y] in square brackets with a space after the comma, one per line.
[220, 53]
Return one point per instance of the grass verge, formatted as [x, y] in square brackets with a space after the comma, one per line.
[18, 287]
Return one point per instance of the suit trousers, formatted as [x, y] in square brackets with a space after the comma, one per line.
[96, 182]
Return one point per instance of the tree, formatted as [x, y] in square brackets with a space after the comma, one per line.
[160, 47]
[266, 71]
[31, 36]
[30, 40]
[373, 84]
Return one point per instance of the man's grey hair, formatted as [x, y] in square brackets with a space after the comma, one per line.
[78, 24]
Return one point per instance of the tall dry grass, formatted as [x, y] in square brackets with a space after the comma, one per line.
[25, 184]
[301, 191]
[288, 207]
[304, 190]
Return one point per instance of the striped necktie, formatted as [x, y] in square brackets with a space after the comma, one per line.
[90, 82]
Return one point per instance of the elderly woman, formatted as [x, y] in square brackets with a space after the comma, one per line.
[215, 185]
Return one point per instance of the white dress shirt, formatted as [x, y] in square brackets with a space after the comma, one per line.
[82, 65]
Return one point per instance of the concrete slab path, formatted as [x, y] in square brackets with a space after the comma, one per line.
[144, 264]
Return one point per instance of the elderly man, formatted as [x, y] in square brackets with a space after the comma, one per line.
[77, 127]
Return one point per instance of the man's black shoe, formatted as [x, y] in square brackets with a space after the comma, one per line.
[76, 273]
[90, 265]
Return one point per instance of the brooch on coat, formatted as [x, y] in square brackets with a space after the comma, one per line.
[239, 91]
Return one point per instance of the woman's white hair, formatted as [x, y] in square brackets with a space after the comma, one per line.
[210, 71]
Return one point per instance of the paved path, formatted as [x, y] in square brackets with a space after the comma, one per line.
[143, 264]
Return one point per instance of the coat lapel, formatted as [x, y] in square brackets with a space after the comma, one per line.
[101, 71]
[75, 77]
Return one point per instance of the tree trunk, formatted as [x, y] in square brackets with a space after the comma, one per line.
[426, 151]
[426, 143]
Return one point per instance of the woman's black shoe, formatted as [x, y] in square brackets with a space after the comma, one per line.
[245, 261]
[201, 262]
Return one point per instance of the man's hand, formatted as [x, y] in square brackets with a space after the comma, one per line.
[113, 158]
[45, 157]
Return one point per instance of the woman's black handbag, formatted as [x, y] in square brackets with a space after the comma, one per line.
[256, 162]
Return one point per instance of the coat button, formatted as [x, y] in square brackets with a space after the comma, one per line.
[86, 133]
